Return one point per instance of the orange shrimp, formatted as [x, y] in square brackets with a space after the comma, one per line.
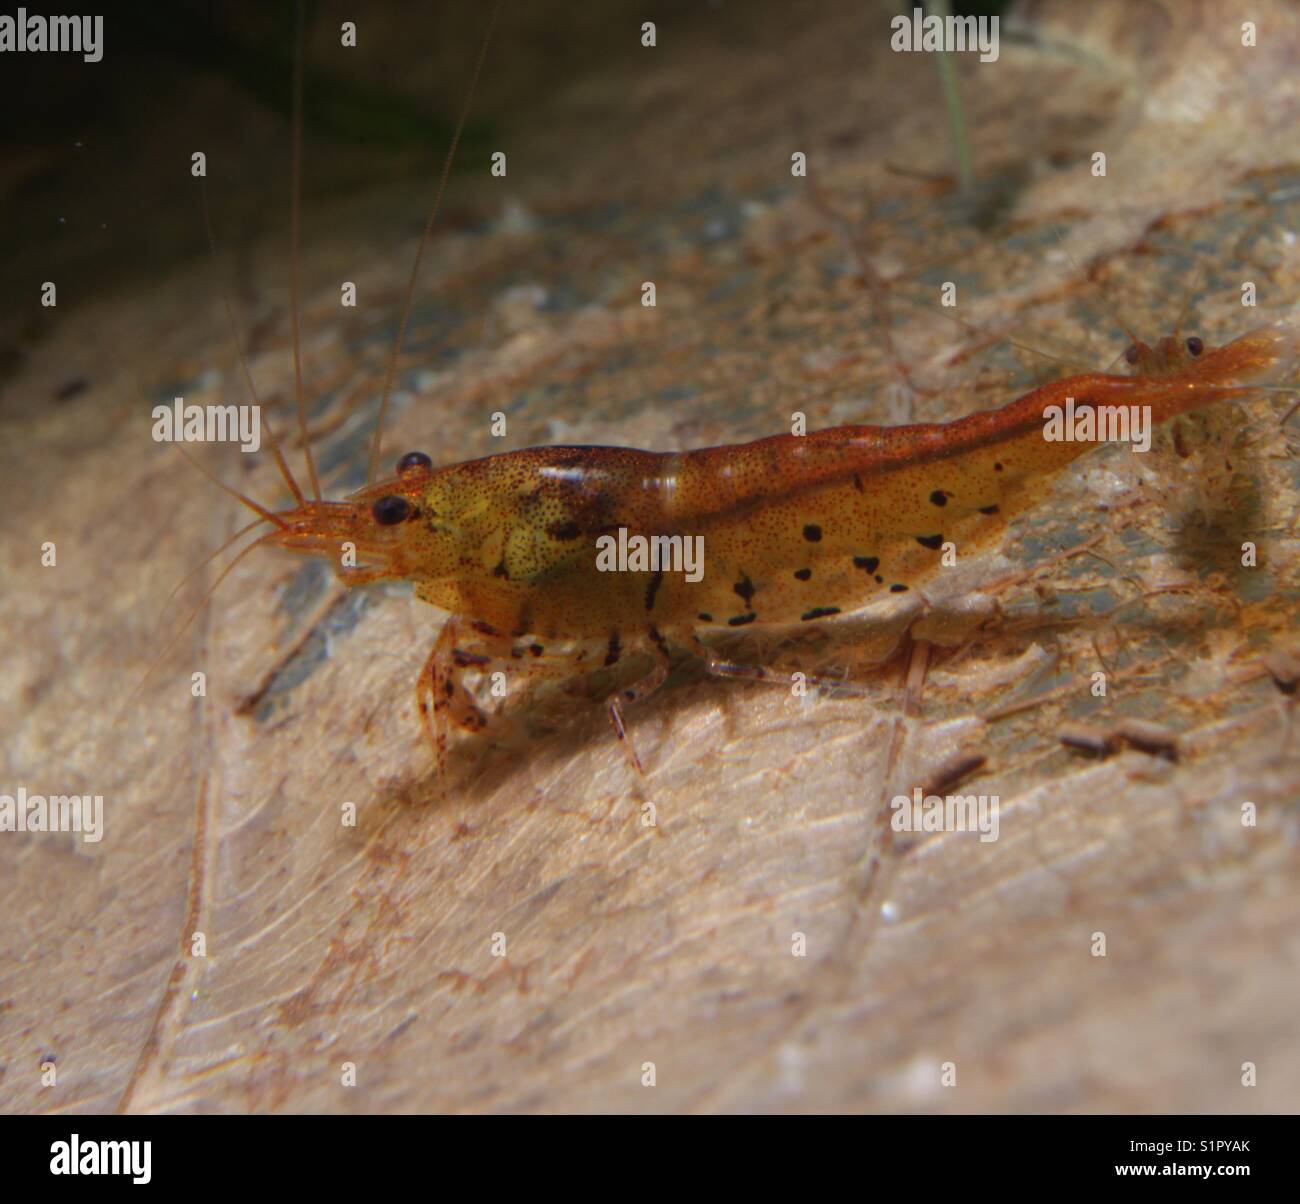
[788, 529]
[794, 529]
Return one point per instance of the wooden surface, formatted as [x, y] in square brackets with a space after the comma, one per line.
[673, 944]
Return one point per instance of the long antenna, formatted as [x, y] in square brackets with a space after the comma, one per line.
[207, 560]
[295, 208]
[239, 349]
[194, 614]
[1111, 311]
[391, 372]
[256, 507]
[1187, 299]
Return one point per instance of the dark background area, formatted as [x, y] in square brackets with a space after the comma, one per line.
[95, 184]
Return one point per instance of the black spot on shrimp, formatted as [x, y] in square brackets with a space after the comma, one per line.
[564, 531]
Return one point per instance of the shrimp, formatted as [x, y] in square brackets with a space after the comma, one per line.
[792, 529]
[795, 529]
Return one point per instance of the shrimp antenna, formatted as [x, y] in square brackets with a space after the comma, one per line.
[295, 247]
[1111, 312]
[1197, 273]
[208, 559]
[239, 349]
[390, 373]
[1002, 338]
[194, 614]
[256, 508]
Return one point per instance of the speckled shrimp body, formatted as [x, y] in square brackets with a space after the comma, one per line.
[523, 548]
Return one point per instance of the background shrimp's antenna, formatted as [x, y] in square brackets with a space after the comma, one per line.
[1187, 300]
[1111, 312]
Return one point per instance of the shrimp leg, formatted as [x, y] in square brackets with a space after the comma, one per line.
[716, 666]
[439, 695]
[638, 690]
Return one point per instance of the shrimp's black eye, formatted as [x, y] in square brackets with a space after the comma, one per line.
[1195, 346]
[413, 460]
[391, 509]
[1131, 355]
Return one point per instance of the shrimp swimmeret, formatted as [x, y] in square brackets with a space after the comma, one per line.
[646, 550]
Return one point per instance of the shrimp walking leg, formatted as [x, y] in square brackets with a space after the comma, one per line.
[716, 666]
[638, 690]
[441, 698]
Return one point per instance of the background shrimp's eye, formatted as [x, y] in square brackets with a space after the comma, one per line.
[413, 460]
[391, 509]
[1131, 355]
[1195, 346]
